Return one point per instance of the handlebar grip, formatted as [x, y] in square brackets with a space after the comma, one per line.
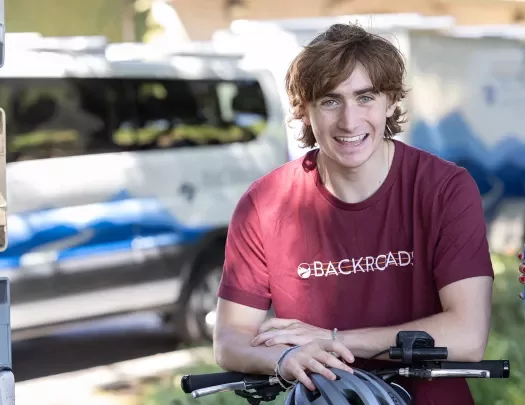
[420, 354]
[190, 383]
[496, 368]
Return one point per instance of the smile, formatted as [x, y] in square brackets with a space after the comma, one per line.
[357, 139]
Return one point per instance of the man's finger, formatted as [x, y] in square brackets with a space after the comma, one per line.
[297, 371]
[263, 337]
[276, 323]
[331, 361]
[316, 367]
[272, 334]
[337, 347]
[295, 340]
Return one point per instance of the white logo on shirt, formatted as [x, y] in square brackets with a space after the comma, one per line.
[352, 266]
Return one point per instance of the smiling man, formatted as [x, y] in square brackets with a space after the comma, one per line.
[362, 237]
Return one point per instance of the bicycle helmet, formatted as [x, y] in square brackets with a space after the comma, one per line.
[360, 388]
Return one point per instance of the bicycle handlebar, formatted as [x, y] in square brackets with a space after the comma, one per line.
[419, 359]
[206, 384]
[480, 369]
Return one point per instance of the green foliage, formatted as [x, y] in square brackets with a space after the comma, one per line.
[66, 17]
[506, 336]
[79, 17]
[507, 332]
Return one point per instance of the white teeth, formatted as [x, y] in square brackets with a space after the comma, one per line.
[357, 138]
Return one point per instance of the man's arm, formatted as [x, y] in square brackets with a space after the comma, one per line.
[463, 326]
[463, 275]
[236, 326]
[244, 294]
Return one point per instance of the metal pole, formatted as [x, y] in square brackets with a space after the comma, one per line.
[7, 378]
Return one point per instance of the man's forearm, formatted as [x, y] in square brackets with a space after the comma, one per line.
[463, 341]
[234, 352]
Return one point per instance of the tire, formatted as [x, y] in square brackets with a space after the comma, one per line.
[191, 322]
[193, 317]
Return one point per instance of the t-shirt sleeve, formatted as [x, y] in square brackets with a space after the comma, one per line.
[245, 275]
[461, 250]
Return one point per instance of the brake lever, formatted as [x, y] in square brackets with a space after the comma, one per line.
[201, 392]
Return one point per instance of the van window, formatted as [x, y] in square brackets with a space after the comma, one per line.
[49, 118]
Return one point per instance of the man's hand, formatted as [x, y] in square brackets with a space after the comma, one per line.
[315, 356]
[276, 331]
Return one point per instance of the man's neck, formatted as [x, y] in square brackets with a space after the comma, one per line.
[356, 185]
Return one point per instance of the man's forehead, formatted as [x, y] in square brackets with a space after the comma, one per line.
[357, 81]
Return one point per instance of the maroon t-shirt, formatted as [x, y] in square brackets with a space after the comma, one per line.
[379, 262]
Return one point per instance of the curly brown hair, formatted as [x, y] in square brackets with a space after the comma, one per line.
[330, 58]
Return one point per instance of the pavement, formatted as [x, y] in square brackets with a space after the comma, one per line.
[93, 385]
[102, 362]
[90, 345]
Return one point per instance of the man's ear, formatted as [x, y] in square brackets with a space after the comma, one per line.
[391, 108]
[306, 116]
[306, 120]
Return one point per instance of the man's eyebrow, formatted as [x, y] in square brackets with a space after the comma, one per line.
[358, 92]
[332, 94]
[369, 89]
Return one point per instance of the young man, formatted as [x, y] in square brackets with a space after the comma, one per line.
[364, 234]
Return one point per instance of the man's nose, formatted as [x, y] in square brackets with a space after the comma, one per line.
[349, 118]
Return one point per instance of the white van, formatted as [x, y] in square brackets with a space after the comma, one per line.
[125, 163]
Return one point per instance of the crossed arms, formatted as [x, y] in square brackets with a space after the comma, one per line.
[244, 342]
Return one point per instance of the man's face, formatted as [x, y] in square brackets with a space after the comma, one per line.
[349, 122]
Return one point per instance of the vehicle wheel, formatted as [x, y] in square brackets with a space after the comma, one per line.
[193, 319]
[203, 304]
